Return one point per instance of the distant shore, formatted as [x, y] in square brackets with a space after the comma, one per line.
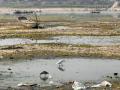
[47, 10]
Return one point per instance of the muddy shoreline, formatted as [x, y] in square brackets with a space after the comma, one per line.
[65, 86]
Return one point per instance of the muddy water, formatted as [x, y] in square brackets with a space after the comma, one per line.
[74, 69]
[92, 40]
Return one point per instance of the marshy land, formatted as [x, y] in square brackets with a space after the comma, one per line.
[89, 44]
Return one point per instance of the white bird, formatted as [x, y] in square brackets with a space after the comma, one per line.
[60, 61]
[78, 86]
[60, 65]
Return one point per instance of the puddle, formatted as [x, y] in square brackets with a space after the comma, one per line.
[15, 41]
[92, 40]
[75, 69]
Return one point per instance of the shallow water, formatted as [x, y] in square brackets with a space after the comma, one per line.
[15, 41]
[92, 40]
[75, 69]
[86, 15]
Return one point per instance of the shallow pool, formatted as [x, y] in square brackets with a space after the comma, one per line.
[80, 69]
[91, 40]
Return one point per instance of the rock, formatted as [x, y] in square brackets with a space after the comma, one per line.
[78, 86]
[103, 84]
[26, 84]
[106, 83]
[51, 82]
[9, 69]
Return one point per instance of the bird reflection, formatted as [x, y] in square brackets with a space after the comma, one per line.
[61, 68]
